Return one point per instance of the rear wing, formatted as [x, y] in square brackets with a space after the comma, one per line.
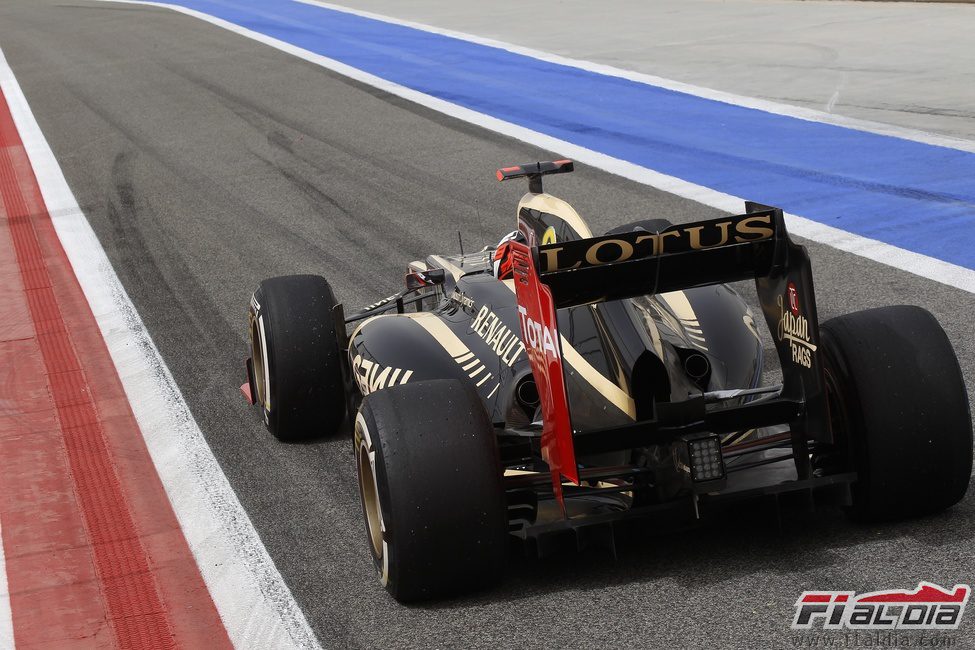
[534, 172]
[754, 245]
[640, 263]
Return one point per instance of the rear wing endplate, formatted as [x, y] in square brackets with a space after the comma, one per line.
[540, 334]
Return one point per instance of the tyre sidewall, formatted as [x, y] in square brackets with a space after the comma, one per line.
[261, 355]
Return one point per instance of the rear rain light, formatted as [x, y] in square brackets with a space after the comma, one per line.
[706, 461]
[699, 458]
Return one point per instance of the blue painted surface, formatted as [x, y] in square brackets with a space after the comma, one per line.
[916, 196]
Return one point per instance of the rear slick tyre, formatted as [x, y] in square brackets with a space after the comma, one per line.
[900, 407]
[430, 483]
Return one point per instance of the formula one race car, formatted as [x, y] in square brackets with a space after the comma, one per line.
[546, 389]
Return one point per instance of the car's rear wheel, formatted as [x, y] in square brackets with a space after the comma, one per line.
[430, 483]
[899, 406]
[295, 357]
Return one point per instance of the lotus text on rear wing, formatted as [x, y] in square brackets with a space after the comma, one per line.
[635, 245]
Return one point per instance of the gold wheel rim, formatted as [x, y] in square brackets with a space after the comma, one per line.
[370, 499]
[257, 363]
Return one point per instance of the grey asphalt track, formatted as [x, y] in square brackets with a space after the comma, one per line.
[206, 162]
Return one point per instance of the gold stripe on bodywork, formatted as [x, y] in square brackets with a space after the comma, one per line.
[613, 393]
[732, 435]
[681, 306]
[456, 348]
[440, 332]
[443, 335]
[658, 344]
[610, 391]
[558, 208]
[435, 327]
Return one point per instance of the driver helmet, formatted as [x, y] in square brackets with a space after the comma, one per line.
[503, 269]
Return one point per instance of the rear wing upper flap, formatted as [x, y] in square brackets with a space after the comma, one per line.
[534, 172]
[637, 263]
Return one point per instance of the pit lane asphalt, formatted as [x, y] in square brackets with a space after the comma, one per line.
[206, 162]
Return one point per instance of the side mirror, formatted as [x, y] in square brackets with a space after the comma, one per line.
[419, 279]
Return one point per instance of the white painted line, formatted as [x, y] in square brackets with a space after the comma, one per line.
[6, 618]
[255, 605]
[922, 265]
[806, 114]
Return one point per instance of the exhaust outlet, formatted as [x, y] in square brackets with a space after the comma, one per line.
[527, 394]
[697, 366]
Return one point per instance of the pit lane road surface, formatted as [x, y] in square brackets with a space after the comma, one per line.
[889, 199]
[206, 162]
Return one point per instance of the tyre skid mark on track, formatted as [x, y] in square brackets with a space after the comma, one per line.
[881, 252]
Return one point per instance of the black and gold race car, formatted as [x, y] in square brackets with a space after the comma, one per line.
[549, 388]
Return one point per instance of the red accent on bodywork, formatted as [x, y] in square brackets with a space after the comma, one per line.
[501, 172]
[540, 334]
[419, 277]
[792, 294]
[245, 390]
[249, 389]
